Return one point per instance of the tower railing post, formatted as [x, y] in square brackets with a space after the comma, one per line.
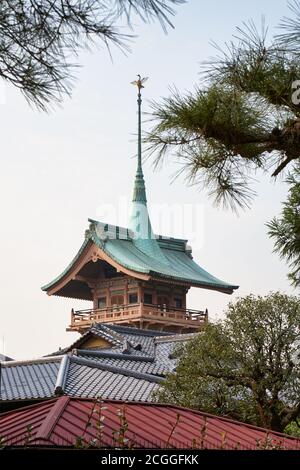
[72, 316]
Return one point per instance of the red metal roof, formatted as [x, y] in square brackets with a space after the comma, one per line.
[61, 421]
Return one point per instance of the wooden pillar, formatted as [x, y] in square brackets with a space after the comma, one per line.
[140, 292]
[72, 317]
[126, 299]
[185, 291]
[154, 295]
[108, 300]
[171, 297]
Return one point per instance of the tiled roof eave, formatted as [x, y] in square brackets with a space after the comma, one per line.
[193, 282]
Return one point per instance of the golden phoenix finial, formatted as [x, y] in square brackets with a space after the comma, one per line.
[139, 82]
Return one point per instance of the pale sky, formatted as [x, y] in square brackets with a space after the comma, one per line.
[59, 169]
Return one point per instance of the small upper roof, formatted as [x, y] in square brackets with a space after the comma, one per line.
[63, 421]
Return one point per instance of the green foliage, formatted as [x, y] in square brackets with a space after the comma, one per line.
[252, 65]
[41, 40]
[285, 230]
[242, 118]
[120, 438]
[93, 427]
[291, 27]
[219, 136]
[245, 367]
[293, 429]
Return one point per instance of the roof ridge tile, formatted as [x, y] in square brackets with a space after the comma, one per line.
[117, 370]
[52, 418]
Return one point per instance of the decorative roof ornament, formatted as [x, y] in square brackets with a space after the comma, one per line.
[140, 82]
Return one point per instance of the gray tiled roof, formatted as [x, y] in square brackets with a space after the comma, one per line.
[100, 331]
[28, 381]
[135, 331]
[144, 339]
[130, 370]
[146, 367]
[89, 382]
[74, 376]
[163, 353]
[153, 347]
[120, 337]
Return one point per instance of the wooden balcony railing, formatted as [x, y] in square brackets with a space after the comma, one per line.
[132, 312]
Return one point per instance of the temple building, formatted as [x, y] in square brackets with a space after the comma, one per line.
[137, 282]
[132, 276]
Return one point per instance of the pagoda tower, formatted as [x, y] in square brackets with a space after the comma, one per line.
[132, 276]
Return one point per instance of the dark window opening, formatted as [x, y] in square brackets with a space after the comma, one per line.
[148, 298]
[133, 298]
[102, 302]
[178, 302]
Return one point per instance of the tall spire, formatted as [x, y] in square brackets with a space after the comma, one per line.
[140, 224]
[139, 191]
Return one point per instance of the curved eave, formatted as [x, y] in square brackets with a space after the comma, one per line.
[226, 289]
[88, 246]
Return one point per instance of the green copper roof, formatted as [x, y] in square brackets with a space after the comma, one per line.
[176, 263]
